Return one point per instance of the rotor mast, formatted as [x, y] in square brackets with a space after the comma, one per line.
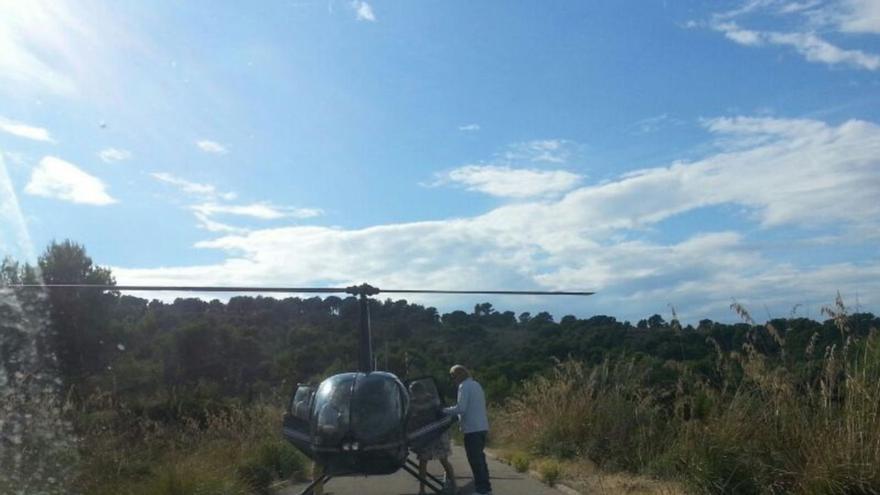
[365, 345]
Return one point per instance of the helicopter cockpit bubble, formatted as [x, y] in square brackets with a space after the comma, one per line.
[331, 410]
[380, 404]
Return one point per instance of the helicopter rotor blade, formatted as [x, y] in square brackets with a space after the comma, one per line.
[356, 290]
[185, 288]
[495, 292]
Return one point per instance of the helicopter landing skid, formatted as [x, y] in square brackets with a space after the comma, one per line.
[432, 482]
[320, 481]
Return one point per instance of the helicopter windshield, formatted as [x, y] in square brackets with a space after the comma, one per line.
[378, 408]
[330, 421]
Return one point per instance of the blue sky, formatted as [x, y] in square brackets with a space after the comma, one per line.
[662, 153]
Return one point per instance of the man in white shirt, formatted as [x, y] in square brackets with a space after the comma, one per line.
[474, 423]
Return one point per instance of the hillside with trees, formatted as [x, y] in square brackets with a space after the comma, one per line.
[130, 369]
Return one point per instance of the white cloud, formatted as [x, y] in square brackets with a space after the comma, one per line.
[56, 178]
[805, 176]
[205, 222]
[25, 131]
[209, 146]
[815, 49]
[212, 205]
[655, 123]
[109, 155]
[189, 187]
[844, 15]
[860, 16]
[363, 11]
[509, 182]
[262, 211]
[540, 151]
[742, 36]
[811, 46]
[469, 127]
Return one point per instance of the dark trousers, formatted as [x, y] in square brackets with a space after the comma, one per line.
[474, 443]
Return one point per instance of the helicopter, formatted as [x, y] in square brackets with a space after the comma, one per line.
[357, 423]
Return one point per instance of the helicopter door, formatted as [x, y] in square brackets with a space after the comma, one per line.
[296, 421]
[300, 405]
[426, 419]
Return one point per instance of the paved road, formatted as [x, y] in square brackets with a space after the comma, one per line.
[505, 480]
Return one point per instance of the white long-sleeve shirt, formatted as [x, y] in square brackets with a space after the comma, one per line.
[471, 407]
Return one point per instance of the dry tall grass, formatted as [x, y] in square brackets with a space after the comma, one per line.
[237, 451]
[766, 429]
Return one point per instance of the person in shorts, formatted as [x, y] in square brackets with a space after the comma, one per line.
[425, 408]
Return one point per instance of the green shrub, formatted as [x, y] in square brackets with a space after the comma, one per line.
[186, 480]
[550, 471]
[256, 475]
[282, 459]
[520, 461]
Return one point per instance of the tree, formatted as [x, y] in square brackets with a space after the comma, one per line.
[78, 316]
[656, 321]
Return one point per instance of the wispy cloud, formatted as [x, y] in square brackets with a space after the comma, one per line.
[207, 223]
[24, 130]
[469, 127]
[192, 188]
[56, 178]
[859, 16]
[540, 150]
[811, 46]
[263, 211]
[787, 174]
[655, 123]
[809, 17]
[363, 11]
[213, 203]
[209, 146]
[507, 182]
[110, 155]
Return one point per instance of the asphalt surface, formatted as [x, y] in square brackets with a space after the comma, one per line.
[505, 481]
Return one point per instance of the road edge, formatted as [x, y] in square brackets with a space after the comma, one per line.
[562, 487]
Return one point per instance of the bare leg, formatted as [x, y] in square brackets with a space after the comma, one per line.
[450, 473]
[423, 473]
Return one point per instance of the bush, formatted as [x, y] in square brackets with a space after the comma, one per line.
[274, 459]
[187, 479]
[282, 459]
[520, 461]
[257, 475]
[550, 471]
[762, 427]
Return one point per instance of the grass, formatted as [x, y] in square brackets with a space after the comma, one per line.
[766, 428]
[236, 451]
